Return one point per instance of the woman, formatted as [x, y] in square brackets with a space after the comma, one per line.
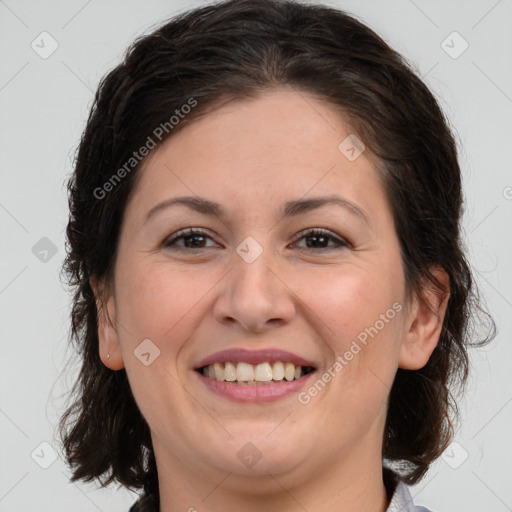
[272, 298]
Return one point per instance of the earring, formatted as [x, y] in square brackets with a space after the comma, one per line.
[108, 356]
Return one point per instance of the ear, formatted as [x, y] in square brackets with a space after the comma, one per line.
[107, 332]
[424, 323]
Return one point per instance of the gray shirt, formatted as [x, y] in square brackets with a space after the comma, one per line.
[402, 501]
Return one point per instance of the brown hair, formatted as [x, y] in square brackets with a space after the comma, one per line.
[237, 48]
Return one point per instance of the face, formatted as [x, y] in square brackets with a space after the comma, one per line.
[254, 277]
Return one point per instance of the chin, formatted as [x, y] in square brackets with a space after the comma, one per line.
[259, 451]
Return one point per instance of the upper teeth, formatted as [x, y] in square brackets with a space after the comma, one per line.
[245, 372]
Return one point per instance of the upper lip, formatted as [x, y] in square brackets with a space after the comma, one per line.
[236, 355]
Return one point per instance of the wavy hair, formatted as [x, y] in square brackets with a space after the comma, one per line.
[237, 48]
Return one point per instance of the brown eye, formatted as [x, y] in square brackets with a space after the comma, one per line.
[320, 238]
[192, 239]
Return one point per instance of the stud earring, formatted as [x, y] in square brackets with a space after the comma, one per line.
[108, 356]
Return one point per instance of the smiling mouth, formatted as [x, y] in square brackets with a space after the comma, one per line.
[246, 374]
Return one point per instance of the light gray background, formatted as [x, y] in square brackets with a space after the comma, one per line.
[44, 104]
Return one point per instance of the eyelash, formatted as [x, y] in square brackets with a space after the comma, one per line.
[309, 233]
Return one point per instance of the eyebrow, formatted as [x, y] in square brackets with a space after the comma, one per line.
[290, 209]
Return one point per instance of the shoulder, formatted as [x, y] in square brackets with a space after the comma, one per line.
[402, 501]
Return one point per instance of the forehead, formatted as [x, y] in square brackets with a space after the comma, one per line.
[281, 143]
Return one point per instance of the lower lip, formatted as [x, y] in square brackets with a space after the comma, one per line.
[256, 393]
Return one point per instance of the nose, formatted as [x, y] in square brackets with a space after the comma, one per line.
[255, 296]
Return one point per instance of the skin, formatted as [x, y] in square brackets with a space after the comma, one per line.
[251, 156]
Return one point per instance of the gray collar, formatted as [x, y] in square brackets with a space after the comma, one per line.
[402, 501]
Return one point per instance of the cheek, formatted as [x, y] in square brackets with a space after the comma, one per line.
[158, 301]
[359, 314]
[350, 394]
[351, 300]
[162, 304]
